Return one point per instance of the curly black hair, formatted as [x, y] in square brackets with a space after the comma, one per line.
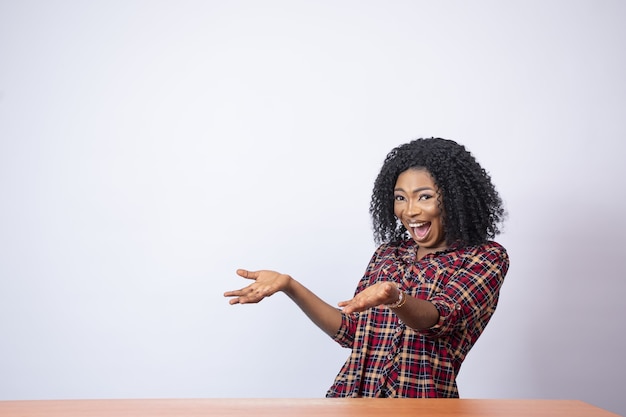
[473, 208]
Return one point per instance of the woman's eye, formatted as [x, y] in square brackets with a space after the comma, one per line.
[425, 196]
[398, 198]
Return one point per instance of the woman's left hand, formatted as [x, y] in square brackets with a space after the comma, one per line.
[375, 295]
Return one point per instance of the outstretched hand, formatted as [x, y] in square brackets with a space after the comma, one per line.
[265, 284]
[372, 296]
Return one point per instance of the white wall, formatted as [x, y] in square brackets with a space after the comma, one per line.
[148, 149]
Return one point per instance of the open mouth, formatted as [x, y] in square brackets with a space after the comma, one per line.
[420, 229]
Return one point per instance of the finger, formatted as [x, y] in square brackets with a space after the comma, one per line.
[250, 294]
[237, 299]
[246, 299]
[247, 274]
[350, 308]
[347, 306]
[239, 293]
[232, 293]
[344, 303]
[243, 291]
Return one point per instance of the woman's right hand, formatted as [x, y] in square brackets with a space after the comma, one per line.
[266, 283]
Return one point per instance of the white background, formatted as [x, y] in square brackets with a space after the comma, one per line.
[148, 149]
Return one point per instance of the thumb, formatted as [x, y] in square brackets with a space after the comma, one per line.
[247, 274]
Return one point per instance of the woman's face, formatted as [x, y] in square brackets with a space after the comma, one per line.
[417, 205]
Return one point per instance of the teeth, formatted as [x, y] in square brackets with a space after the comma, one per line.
[417, 224]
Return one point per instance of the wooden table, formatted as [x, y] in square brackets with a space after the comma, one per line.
[324, 407]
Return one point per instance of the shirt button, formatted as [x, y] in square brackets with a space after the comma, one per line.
[390, 356]
[398, 329]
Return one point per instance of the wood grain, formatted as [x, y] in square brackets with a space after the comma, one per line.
[326, 407]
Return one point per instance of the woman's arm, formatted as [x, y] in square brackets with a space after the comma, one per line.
[267, 283]
[472, 294]
[414, 312]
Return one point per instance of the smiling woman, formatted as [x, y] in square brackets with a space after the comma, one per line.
[430, 288]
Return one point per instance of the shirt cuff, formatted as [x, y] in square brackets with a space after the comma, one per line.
[344, 336]
[448, 316]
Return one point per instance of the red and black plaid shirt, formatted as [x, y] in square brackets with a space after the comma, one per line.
[388, 358]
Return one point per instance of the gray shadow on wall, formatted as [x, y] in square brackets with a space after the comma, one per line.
[579, 338]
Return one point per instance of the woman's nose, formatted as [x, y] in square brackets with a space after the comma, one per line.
[414, 208]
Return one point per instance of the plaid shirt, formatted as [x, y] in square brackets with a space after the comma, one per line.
[388, 358]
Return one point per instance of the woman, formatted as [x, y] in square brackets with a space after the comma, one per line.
[431, 286]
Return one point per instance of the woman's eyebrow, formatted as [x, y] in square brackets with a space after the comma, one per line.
[417, 190]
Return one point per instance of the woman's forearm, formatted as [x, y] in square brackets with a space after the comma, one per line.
[416, 313]
[325, 316]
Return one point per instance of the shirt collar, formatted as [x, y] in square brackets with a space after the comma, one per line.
[407, 250]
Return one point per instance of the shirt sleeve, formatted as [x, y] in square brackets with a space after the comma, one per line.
[345, 334]
[469, 298]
